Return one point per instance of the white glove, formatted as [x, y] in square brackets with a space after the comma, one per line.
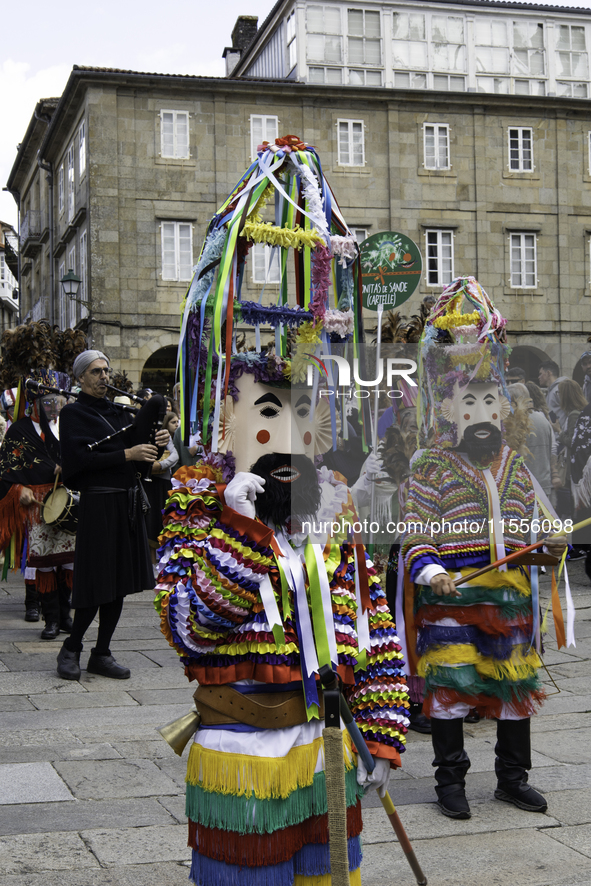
[242, 491]
[371, 470]
[377, 779]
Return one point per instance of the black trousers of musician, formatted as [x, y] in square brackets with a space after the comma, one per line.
[109, 614]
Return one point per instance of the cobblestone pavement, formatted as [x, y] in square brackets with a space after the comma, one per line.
[91, 795]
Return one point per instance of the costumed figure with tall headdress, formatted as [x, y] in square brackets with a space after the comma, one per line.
[30, 468]
[471, 501]
[251, 603]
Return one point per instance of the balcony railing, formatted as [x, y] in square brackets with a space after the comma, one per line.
[31, 226]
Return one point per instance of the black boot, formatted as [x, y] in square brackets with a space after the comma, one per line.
[50, 608]
[106, 666]
[68, 664]
[64, 603]
[452, 764]
[31, 602]
[513, 750]
[418, 721]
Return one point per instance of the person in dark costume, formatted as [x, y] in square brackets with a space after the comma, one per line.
[112, 557]
[29, 462]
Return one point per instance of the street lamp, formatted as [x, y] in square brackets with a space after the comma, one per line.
[70, 284]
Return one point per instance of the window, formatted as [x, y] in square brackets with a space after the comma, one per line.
[447, 36]
[574, 90]
[291, 42]
[70, 318]
[360, 234]
[491, 47]
[70, 183]
[436, 146]
[83, 290]
[61, 272]
[410, 80]
[351, 143]
[571, 55]
[265, 264]
[324, 43]
[262, 129]
[60, 189]
[410, 48]
[364, 45]
[521, 155]
[493, 84]
[440, 259]
[528, 48]
[333, 76]
[82, 149]
[365, 78]
[174, 135]
[530, 87]
[448, 83]
[177, 250]
[523, 261]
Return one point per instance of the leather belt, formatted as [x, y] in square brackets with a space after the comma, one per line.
[223, 705]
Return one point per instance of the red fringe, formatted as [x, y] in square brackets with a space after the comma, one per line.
[250, 670]
[255, 850]
[485, 617]
[487, 706]
[12, 518]
[46, 582]
[67, 576]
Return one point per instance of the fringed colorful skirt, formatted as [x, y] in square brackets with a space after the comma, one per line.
[256, 804]
[477, 648]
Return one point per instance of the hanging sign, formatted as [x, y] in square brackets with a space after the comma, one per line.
[391, 266]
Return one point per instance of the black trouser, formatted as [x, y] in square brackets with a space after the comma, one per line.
[109, 614]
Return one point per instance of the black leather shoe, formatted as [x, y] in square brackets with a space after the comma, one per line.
[50, 631]
[68, 664]
[66, 625]
[32, 614]
[420, 723]
[523, 796]
[106, 666]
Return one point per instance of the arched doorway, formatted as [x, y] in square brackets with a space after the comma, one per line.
[529, 359]
[159, 371]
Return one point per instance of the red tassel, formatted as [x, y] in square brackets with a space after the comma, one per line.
[254, 850]
[67, 576]
[486, 618]
[487, 706]
[46, 582]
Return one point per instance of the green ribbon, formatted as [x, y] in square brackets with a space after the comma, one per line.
[319, 624]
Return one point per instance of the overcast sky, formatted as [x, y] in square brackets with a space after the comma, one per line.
[41, 42]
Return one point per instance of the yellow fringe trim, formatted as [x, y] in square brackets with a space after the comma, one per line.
[265, 777]
[326, 880]
[290, 238]
[518, 667]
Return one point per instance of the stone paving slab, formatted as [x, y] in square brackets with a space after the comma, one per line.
[565, 670]
[107, 699]
[164, 696]
[176, 807]
[565, 746]
[417, 759]
[482, 859]
[570, 807]
[77, 815]
[31, 783]
[175, 767]
[15, 703]
[163, 874]
[129, 732]
[577, 837]
[423, 822]
[50, 851]
[149, 750]
[551, 722]
[89, 716]
[567, 704]
[118, 645]
[165, 658]
[33, 738]
[35, 683]
[75, 750]
[150, 678]
[138, 845]
[118, 779]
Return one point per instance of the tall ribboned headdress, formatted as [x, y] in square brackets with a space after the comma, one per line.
[325, 307]
[458, 347]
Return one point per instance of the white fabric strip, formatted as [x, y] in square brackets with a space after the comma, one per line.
[326, 604]
[293, 567]
[362, 617]
[269, 602]
[493, 497]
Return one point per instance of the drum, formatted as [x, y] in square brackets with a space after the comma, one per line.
[60, 509]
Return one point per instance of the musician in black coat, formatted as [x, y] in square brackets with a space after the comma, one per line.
[112, 553]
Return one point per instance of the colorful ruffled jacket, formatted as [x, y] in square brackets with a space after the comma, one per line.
[213, 561]
[490, 631]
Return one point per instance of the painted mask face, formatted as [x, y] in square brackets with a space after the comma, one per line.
[262, 421]
[475, 404]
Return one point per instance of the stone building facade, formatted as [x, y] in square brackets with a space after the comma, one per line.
[126, 169]
[8, 276]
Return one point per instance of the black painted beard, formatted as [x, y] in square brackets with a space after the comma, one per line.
[481, 449]
[292, 491]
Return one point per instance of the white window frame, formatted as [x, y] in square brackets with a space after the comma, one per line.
[570, 51]
[437, 129]
[520, 157]
[61, 203]
[61, 273]
[177, 275]
[70, 318]
[589, 150]
[435, 235]
[517, 239]
[177, 151]
[360, 235]
[291, 38]
[267, 135]
[325, 69]
[71, 182]
[83, 259]
[364, 39]
[272, 271]
[350, 124]
[82, 150]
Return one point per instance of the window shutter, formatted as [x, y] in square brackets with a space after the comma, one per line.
[185, 252]
[182, 134]
[167, 142]
[168, 251]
